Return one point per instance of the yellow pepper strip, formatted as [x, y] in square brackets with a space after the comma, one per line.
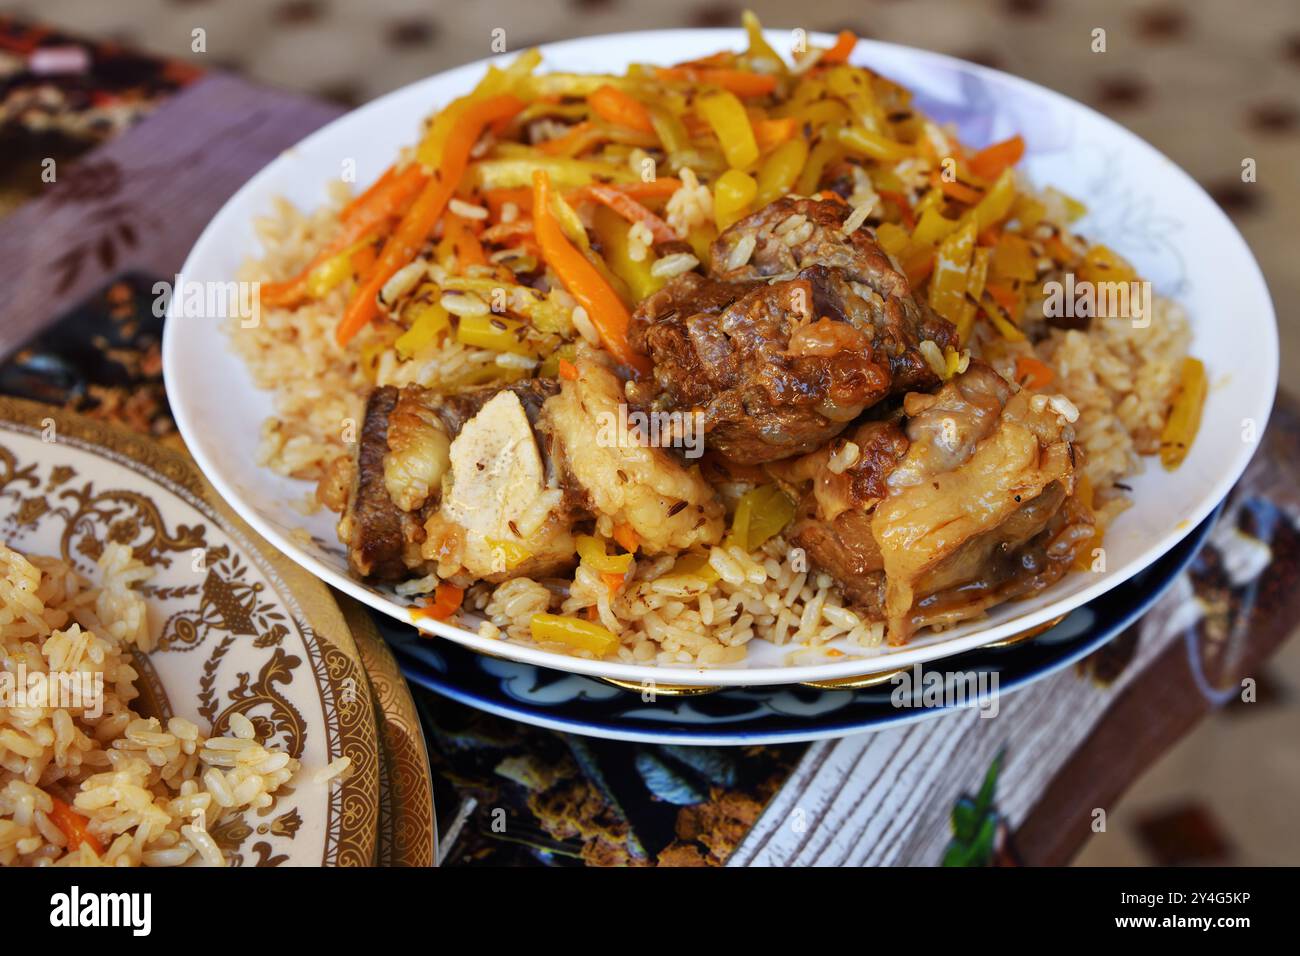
[611, 230]
[827, 151]
[512, 553]
[333, 271]
[1013, 259]
[496, 332]
[726, 115]
[823, 113]
[429, 321]
[893, 239]
[951, 269]
[854, 87]
[670, 129]
[592, 552]
[583, 281]
[1103, 264]
[696, 564]
[564, 173]
[996, 204]
[495, 82]
[777, 175]
[994, 310]
[551, 365]
[1185, 416]
[404, 244]
[1028, 212]
[701, 239]
[542, 312]
[872, 145]
[732, 195]
[1074, 210]
[760, 54]
[761, 513]
[932, 227]
[573, 632]
[979, 272]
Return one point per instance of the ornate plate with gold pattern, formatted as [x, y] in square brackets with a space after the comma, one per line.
[408, 833]
[240, 628]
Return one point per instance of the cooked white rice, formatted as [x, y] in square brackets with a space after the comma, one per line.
[147, 794]
[1121, 379]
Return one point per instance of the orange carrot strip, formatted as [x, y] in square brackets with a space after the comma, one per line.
[612, 581]
[404, 244]
[74, 826]
[955, 190]
[1059, 250]
[580, 136]
[502, 232]
[989, 162]
[918, 269]
[839, 53]
[446, 601]
[771, 133]
[380, 205]
[496, 200]
[629, 209]
[740, 82]
[1004, 297]
[1032, 373]
[614, 106]
[458, 238]
[659, 188]
[604, 307]
[360, 200]
[624, 534]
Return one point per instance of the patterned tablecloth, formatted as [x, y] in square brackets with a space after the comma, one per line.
[139, 175]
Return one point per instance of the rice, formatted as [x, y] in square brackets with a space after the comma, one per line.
[148, 794]
[1113, 386]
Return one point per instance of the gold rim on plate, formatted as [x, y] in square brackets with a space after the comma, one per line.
[246, 630]
[408, 834]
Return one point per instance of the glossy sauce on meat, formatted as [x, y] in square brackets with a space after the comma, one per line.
[780, 351]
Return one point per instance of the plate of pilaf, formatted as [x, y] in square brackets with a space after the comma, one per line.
[173, 692]
[722, 358]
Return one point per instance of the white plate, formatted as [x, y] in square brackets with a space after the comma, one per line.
[239, 629]
[1140, 203]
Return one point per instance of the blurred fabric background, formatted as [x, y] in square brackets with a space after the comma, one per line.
[1213, 84]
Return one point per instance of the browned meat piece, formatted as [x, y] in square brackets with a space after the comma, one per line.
[834, 526]
[792, 234]
[775, 373]
[800, 329]
[968, 505]
[455, 410]
[400, 460]
[377, 533]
